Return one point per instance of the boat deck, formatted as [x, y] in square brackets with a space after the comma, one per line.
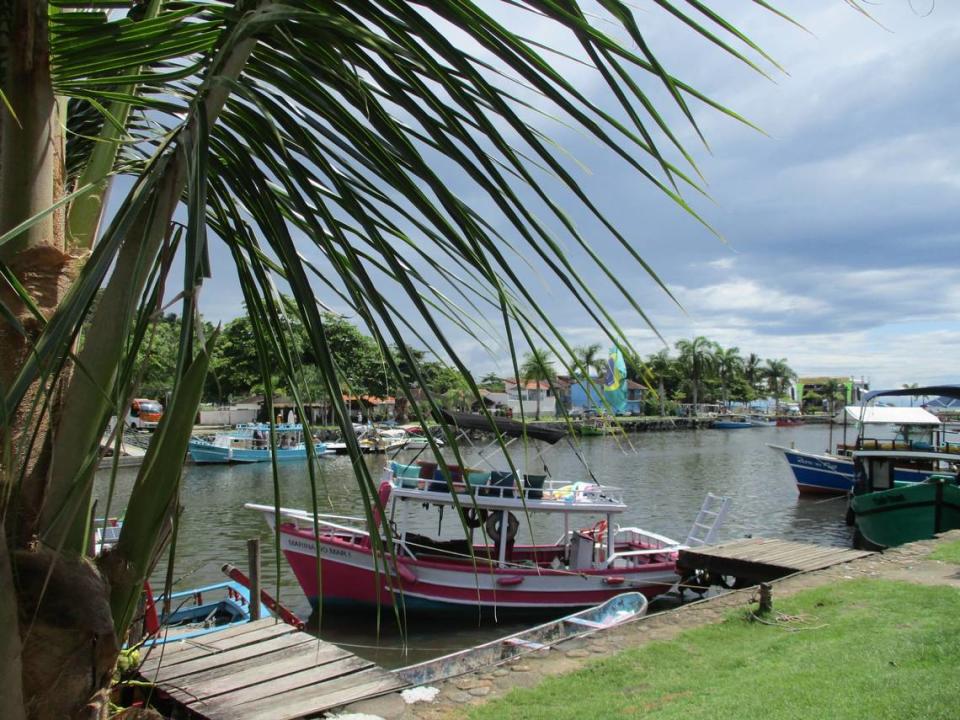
[263, 670]
[762, 559]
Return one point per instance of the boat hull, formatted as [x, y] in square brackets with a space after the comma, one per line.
[621, 609]
[829, 474]
[905, 513]
[350, 578]
[730, 425]
[202, 453]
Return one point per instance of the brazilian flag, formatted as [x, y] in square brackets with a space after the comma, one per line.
[615, 384]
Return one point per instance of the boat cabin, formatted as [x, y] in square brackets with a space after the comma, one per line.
[874, 470]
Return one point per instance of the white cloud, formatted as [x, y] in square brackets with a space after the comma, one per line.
[745, 295]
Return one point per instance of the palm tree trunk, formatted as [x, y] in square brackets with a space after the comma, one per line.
[11, 682]
[31, 166]
[660, 391]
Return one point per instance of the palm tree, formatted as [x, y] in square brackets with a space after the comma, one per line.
[287, 131]
[831, 391]
[729, 366]
[752, 371]
[910, 386]
[660, 365]
[778, 375]
[589, 358]
[698, 359]
[537, 367]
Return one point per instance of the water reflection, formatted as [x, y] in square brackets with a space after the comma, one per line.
[664, 477]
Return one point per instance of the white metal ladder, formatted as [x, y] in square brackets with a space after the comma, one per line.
[711, 516]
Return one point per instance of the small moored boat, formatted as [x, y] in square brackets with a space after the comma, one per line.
[731, 422]
[613, 612]
[887, 512]
[251, 444]
[917, 431]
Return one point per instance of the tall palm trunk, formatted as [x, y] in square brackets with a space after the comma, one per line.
[37, 665]
[67, 657]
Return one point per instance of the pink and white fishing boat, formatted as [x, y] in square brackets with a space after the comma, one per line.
[593, 560]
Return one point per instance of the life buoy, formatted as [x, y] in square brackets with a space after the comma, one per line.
[495, 522]
[597, 531]
[475, 517]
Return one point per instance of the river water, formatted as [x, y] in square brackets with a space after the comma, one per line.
[664, 477]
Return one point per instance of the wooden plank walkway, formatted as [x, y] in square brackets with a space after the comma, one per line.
[263, 670]
[761, 559]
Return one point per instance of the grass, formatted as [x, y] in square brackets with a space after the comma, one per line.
[948, 552]
[861, 649]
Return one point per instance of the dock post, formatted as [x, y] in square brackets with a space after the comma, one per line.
[766, 599]
[253, 561]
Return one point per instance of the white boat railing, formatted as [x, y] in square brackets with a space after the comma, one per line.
[573, 493]
[323, 520]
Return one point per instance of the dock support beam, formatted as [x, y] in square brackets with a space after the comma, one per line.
[253, 563]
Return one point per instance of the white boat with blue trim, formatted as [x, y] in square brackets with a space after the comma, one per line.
[917, 430]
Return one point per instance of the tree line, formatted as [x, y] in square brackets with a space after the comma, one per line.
[235, 372]
[698, 371]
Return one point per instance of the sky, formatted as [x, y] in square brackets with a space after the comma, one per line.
[840, 222]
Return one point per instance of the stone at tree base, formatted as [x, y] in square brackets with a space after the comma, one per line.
[69, 643]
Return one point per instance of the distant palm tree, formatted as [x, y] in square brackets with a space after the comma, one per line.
[752, 370]
[660, 365]
[590, 357]
[698, 359]
[778, 375]
[537, 367]
[831, 391]
[910, 386]
[729, 368]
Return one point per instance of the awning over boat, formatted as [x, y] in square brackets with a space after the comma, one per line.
[510, 428]
[887, 415]
[950, 391]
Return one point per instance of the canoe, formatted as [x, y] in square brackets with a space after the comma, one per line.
[613, 612]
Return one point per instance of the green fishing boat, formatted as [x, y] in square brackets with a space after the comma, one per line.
[888, 513]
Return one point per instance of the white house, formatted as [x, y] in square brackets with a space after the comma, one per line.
[526, 393]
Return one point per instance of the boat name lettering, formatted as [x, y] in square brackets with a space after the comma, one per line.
[308, 546]
[810, 462]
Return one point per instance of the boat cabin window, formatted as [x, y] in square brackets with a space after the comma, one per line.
[880, 472]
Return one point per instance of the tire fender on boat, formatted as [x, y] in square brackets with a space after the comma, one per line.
[508, 580]
[495, 521]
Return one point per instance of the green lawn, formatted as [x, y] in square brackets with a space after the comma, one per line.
[948, 552]
[869, 649]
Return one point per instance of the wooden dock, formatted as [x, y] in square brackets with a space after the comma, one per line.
[760, 560]
[263, 670]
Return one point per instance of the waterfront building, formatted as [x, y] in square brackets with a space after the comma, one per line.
[810, 392]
